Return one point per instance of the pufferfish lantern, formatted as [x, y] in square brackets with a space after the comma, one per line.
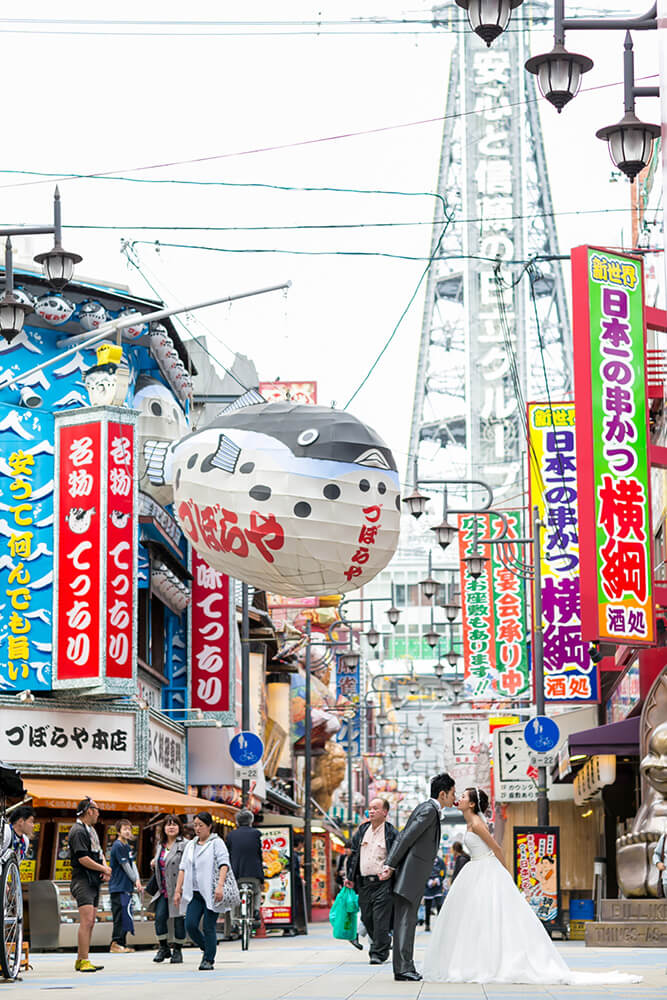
[161, 422]
[297, 500]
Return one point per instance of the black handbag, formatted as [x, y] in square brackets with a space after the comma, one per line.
[152, 886]
[661, 884]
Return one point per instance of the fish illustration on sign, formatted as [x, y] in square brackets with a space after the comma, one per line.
[295, 499]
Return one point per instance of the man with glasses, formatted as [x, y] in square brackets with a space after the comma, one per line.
[88, 872]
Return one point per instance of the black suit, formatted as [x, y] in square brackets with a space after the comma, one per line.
[245, 852]
[375, 897]
[412, 858]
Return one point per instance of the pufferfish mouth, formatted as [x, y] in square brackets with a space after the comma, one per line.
[374, 459]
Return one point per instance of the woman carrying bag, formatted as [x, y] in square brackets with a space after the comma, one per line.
[207, 885]
[659, 862]
[166, 865]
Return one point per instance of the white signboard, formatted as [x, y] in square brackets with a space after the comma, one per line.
[149, 692]
[466, 741]
[80, 739]
[512, 763]
[167, 756]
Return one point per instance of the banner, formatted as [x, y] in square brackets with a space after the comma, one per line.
[612, 447]
[537, 870]
[495, 640]
[95, 557]
[212, 624]
[569, 672]
[293, 392]
[277, 891]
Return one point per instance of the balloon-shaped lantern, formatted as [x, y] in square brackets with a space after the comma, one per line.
[161, 422]
[54, 309]
[132, 332]
[297, 500]
[91, 315]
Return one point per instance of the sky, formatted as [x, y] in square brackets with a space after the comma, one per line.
[146, 100]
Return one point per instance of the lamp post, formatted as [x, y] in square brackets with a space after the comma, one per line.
[559, 75]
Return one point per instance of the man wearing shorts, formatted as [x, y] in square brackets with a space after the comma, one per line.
[88, 872]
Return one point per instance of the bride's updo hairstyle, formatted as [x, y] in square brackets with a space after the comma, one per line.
[479, 799]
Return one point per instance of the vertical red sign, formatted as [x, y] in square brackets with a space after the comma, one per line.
[211, 649]
[78, 570]
[120, 549]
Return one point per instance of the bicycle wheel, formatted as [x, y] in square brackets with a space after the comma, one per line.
[11, 896]
[245, 934]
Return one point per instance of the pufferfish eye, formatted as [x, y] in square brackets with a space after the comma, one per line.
[307, 437]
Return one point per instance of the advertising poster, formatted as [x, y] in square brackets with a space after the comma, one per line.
[537, 870]
[277, 903]
[569, 672]
[614, 487]
[28, 867]
[495, 648]
[321, 874]
[62, 866]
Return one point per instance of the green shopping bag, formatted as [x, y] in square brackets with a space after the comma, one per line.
[343, 915]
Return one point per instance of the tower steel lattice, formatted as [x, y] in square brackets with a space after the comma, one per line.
[495, 329]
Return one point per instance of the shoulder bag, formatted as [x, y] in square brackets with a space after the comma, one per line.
[231, 897]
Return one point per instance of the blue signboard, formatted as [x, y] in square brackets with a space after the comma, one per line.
[246, 749]
[541, 734]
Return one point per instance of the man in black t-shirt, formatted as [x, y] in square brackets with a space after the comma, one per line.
[88, 872]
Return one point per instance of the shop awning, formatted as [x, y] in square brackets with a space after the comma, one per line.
[619, 738]
[119, 796]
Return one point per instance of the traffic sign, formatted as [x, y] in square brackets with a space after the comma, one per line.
[541, 734]
[246, 749]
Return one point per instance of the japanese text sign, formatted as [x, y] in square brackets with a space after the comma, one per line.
[26, 548]
[537, 869]
[66, 738]
[494, 614]
[612, 447]
[511, 771]
[569, 672]
[95, 613]
[211, 632]
[277, 904]
[167, 760]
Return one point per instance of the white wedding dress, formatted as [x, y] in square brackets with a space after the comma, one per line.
[487, 933]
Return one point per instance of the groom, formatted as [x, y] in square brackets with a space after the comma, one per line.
[411, 860]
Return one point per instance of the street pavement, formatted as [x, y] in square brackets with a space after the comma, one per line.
[315, 968]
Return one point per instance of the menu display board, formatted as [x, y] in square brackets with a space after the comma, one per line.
[537, 870]
[62, 866]
[321, 874]
[28, 866]
[277, 891]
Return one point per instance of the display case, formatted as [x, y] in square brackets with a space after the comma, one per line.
[54, 918]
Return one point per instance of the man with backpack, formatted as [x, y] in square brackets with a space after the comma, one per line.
[88, 872]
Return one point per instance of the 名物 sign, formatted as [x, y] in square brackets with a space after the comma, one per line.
[212, 627]
[95, 558]
[569, 672]
[612, 447]
[495, 651]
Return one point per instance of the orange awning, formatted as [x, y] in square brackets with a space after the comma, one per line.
[119, 796]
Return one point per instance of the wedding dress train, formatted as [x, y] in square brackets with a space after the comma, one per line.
[487, 933]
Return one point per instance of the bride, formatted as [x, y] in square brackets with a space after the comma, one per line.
[486, 932]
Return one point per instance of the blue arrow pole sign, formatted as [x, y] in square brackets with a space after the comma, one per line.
[541, 734]
[246, 749]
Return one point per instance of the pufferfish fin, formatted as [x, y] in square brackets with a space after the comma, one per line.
[374, 458]
[224, 457]
[250, 398]
[155, 456]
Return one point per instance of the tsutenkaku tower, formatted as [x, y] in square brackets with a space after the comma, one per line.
[495, 315]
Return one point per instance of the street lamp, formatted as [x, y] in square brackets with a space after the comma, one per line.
[439, 669]
[475, 564]
[630, 143]
[452, 657]
[429, 586]
[12, 310]
[350, 660]
[489, 18]
[58, 263]
[559, 74]
[416, 503]
[373, 637]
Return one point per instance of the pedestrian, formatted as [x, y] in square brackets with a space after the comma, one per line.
[300, 922]
[124, 880]
[460, 859]
[434, 891]
[169, 922]
[201, 879]
[88, 872]
[341, 866]
[369, 849]
[23, 826]
[659, 862]
[245, 855]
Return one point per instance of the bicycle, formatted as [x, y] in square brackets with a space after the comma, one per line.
[247, 889]
[11, 893]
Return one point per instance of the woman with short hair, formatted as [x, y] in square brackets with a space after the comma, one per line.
[200, 884]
